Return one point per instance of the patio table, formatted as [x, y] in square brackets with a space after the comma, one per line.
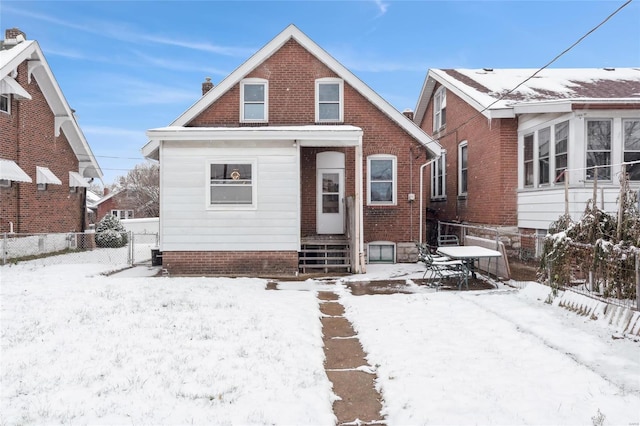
[469, 254]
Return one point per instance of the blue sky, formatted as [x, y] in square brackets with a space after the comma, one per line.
[128, 66]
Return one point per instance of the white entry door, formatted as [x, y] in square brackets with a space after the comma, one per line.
[330, 196]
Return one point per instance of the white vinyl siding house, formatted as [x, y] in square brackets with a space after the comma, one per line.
[191, 225]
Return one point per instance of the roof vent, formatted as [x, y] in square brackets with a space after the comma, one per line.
[609, 69]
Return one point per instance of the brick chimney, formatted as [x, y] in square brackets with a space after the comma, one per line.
[408, 113]
[13, 33]
[206, 86]
[105, 191]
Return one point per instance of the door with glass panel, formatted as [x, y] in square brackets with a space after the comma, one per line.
[330, 196]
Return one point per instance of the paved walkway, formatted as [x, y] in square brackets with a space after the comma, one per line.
[353, 379]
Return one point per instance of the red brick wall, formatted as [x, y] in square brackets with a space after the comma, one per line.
[258, 263]
[292, 72]
[492, 165]
[27, 137]
[120, 201]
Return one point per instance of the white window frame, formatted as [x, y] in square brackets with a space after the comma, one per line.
[340, 83]
[463, 146]
[624, 147]
[439, 106]
[381, 244]
[542, 179]
[265, 103]
[529, 161]
[587, 151]
[254, 184]
[439, 168]
[123, 214]
[394, 196]
[5, 183]
[8, 100]
[559, 176]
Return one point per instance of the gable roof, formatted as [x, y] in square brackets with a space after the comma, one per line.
[292, 32]
[11, 56]
[551, 90]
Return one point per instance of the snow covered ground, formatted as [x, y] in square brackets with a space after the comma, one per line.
[82, 348]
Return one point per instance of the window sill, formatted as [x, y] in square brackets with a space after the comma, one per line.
[462, 197]
[438, 199]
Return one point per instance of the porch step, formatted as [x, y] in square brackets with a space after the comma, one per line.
[325, 256]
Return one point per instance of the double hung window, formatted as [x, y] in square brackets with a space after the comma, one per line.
[462, 169]
[438, 178]
[528, 160]
[631, 129]
[562, 139]
[599, 149]
[254, 95]
[329, 100]
[5, 102]
[382, 179]
[439, 109]
[232, 183]
[544, 142]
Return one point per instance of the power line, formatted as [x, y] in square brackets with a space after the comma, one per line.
[478, 114]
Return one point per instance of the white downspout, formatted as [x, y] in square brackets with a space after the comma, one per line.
[360, 206]
[422, 191]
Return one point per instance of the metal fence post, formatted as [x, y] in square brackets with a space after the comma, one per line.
[130, 251]
[4, 249]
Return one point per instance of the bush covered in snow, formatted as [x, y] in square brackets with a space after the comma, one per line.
[111, 233]
[600, 245]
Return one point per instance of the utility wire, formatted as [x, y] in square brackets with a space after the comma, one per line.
[478, 114]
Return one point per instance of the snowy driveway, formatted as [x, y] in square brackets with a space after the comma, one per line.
[82, 348]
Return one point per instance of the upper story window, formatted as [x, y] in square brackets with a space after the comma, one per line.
[438, 178]
[561, 146]
[5, 103]
[381, 179]
[544, 142]
[631, 129]
[232, 183]
[599, 149]
[329, 100]
[463, 174]
[439, 109]
[254, 96]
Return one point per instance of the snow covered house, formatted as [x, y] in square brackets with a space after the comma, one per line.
[290, 164]
[45, 160]
[512, 152]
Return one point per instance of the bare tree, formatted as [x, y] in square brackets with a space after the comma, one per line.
[142, 184]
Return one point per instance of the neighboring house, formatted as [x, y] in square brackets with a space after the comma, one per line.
[45, 160]
[505, 152]
[287, 154]
[122, 204]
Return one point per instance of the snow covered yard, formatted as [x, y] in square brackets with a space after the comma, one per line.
[494, 357]
[87, 349]
[82, 348]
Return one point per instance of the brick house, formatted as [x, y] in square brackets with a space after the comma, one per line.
[506, 151]
[120, 203]
[287, 162]
[45, 160]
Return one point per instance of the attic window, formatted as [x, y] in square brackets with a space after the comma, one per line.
[254, 95]
[439, 109]
[329, 100]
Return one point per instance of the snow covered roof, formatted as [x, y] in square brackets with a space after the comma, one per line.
[292, 32]
[550, 90]
[15, 53]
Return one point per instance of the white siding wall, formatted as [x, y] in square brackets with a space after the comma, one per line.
[187, 224]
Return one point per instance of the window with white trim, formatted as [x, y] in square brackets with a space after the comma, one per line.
[254, 96]
[439, 109]
[561, 147]
[232, 183]
[528, 160]
[5, 103]
[631, 129]
[381, 252]
[463, 175]
[599, 149]
[5, 183]
[544, 142]
[329, 100]
[381, 179]
[122, 214]
[438, 178]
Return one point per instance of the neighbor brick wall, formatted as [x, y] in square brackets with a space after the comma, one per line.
[121, 201]
[255, 263]
[292, 72]
[27, 137]
[492, 166]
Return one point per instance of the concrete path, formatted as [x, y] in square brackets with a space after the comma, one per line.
[353, 379]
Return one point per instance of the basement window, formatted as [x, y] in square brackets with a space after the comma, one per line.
[382, 252]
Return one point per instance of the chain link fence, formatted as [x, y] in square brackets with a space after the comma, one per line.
[127, 250]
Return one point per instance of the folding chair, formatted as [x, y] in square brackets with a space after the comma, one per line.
[445, 268]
